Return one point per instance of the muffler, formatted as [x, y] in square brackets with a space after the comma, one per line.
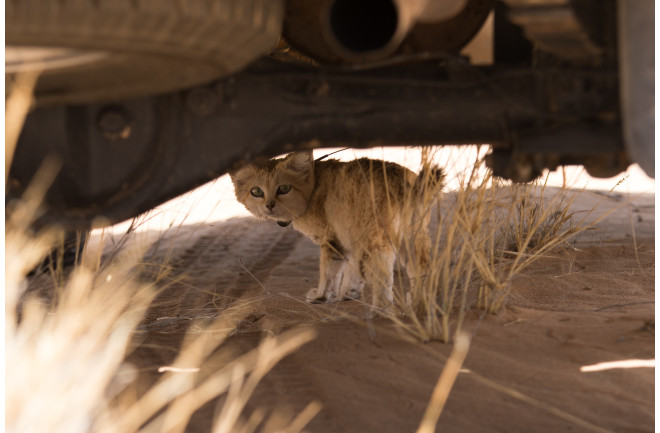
[368, 30]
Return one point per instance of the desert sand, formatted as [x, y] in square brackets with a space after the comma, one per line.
[587, 303]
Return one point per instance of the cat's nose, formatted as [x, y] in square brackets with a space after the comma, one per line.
[270, 205]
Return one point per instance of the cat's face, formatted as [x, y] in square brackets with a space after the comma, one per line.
[278, 190]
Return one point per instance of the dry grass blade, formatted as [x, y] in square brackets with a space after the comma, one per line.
[185, 393]
[445, 384]
[17, 106]
[524, 398]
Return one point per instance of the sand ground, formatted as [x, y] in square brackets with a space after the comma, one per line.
[587, 303]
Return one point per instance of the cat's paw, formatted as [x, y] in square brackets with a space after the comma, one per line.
[315, 296]
[353, 293]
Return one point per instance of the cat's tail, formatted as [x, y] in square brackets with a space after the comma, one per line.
[429, 182]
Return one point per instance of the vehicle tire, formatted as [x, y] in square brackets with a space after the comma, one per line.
[637, 72]
[112, 49]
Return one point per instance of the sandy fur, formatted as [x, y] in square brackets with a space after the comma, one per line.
[364, 214]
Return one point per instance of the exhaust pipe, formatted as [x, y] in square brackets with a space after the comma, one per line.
[370, 30]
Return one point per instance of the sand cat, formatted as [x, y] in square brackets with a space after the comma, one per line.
[363, 213]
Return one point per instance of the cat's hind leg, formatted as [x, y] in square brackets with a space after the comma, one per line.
[332, 267]
[416, 257]
[378, 269]
[352, 284]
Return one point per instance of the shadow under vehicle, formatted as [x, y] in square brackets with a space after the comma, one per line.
[141, 101]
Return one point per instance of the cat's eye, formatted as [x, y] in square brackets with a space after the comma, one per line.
[257, 192]
[283, 189]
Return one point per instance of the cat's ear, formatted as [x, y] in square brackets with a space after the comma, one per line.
[240, 176]
[301, 162]
[233, 170]
[235, 173]
[240, 169]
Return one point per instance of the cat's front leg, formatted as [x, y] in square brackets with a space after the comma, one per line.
[332, 270]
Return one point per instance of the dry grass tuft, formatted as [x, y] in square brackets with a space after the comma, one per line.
[488, 232]
[67, 341]
[65, 353]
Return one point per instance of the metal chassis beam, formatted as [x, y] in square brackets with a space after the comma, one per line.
[120, 159]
